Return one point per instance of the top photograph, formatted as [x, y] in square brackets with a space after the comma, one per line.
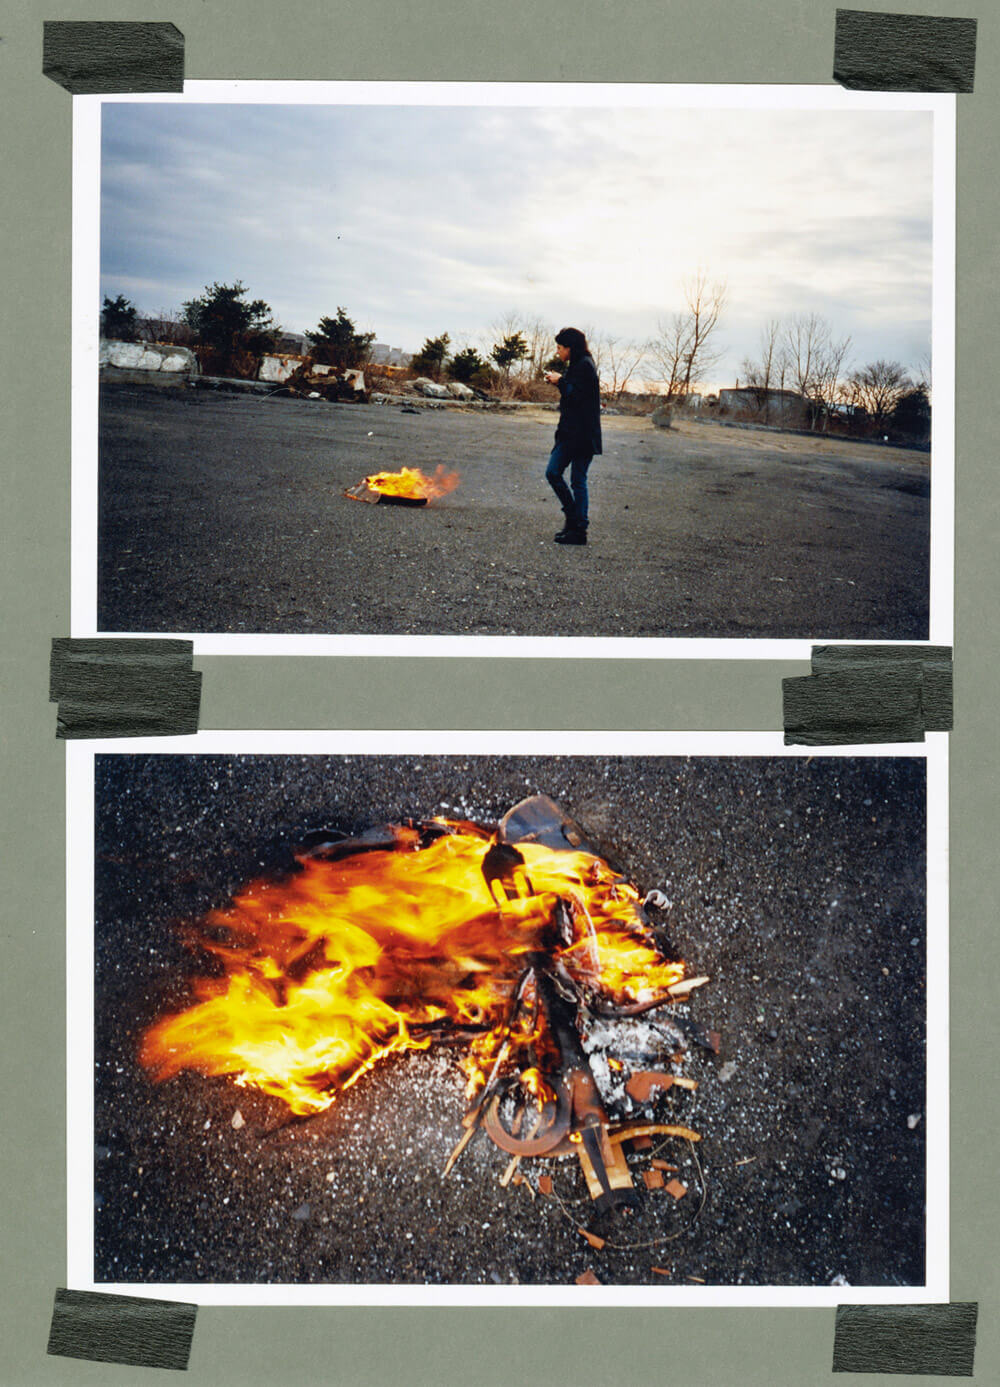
[368, 361]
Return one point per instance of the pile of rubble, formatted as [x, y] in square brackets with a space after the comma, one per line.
[313, 381]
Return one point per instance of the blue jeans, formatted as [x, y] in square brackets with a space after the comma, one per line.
[574, 502]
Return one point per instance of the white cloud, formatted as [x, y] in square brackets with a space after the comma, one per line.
[429, 219]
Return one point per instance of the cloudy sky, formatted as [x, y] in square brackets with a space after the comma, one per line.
[422, 220]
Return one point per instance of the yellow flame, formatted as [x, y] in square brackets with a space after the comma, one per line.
[324, 973]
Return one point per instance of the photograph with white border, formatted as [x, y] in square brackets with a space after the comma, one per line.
[292, 297]
[508, 1019]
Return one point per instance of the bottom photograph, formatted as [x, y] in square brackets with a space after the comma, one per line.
[500, 1020]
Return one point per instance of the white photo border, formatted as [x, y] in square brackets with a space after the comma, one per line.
[80, 1072]
[86, 298]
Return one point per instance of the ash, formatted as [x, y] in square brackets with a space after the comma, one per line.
[795, 884]
[615, 1049]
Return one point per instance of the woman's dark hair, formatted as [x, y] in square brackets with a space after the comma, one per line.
[573, 338]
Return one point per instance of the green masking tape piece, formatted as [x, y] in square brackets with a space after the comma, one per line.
[934, 1339]
[904, 52]
[935, 664]
[124, 688]
[869, 693]
[854, 706]
[122, 1329]
[93, 57]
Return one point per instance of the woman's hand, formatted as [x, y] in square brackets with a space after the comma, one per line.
[553, 377]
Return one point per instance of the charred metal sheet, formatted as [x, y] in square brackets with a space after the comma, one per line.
[539, 819]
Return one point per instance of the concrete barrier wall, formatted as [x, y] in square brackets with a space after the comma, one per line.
[164, 359]
[277, 369]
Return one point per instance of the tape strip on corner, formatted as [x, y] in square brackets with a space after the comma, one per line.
[92, 58]
[130, 1330]
[904, 52]
[124, 688]
[918, 1339]
[861, 694]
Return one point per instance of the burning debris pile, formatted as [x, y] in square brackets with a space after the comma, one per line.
[518, 942]
[408, 487]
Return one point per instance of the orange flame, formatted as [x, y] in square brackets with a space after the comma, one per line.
[411, 482]
[321, 975]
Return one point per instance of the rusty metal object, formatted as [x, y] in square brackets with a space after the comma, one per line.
[549, 1125]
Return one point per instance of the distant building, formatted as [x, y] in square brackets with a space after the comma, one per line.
[292, 343]
[774, 406]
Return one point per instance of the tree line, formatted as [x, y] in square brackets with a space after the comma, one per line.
[801, 355]
[797, 358]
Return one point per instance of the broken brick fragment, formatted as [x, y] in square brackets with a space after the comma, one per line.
[592, 1238]
[653, 1179]
[676, 1189]
[545, 1184]
[587, 1278]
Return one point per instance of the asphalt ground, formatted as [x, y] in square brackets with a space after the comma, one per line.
[226, 513]
[796, 884]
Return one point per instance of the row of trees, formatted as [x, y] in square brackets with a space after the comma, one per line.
[227, 326]
[513, 349]
[799, 355]
[803, 356]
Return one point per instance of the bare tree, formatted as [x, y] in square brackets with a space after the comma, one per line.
[815, 361]
[807, 337]
[683, 349]
[667, 354]
[878, 388]
[622, 359]
[597, 345]
[537, 336]
[828, 389]
[168, 326]
[705, 303]
[760, 373]
[923, 374]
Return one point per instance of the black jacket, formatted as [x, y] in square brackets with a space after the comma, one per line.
[580, 406]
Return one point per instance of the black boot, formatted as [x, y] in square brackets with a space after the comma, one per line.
[572, 531]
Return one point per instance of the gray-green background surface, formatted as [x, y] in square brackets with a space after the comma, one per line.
[713, 41]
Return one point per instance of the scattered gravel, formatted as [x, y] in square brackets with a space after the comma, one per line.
[227, 513]
[796, 885]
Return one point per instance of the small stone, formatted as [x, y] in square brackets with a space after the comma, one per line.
[238, 1120]
[302, 1212]
[912, 1120]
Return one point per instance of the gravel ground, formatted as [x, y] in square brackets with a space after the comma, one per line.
[796, 884]
[226, 513]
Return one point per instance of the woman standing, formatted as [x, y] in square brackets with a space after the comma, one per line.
[578, 436]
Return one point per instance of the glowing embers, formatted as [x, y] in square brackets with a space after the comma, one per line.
[408, 487]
